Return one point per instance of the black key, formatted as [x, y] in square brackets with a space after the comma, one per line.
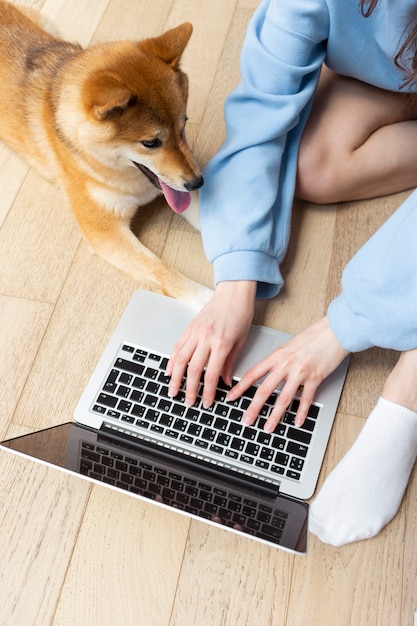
[178, 409]
[249, 433]
[139, 382]
[294, 405]
[186, 439]
[222, 410]
[152, 387]
[299, 435]
[112, 377]
[209, 434]
[206, 419]
[142, 423]
[280, 429]
[164, 405]
[262, 464]
[114, 414]
[216, 449]
[220, 395]
[237, 444]
[180, 424]
[297, 448]
[123, 391]
[288, 418]
[151, 373]
[309, 425]
[235, 414]
[107, 400]
[281, 458]
[297, 464]
[166, 420]
[172, 434]
[192, 414]
[154, 357]
[244, 403]
[125, 378]
[152, 416]
[124, 406]
[246, 459]
[150, 400]
[267, 453]
[138, 410]
[99, 409]
[128, 418]
[234, 428]
[313, 411]
[128, 348]
[194, 429]
[252, 448]
[220, 424]
[136, 395]
[128, 366]
[201, 444]
[294, 475]
[223, 439]
[278, 443]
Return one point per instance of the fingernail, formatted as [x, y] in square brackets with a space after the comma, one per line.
[247, 420]
[171, 392]
[268, 428]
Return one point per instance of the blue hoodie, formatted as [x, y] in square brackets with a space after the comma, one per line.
[247, 199]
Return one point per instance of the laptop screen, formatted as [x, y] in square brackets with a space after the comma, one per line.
[258, 512]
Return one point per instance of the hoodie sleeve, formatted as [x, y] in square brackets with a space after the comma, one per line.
[247, 198]
[378, 304]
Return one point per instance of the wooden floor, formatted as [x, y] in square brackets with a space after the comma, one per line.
[79, 555]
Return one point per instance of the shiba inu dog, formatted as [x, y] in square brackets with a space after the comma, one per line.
[108, 124]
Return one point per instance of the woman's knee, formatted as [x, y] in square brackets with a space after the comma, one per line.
[317, 178]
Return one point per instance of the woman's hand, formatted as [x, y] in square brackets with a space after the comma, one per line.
[303, 361]
[213, 340]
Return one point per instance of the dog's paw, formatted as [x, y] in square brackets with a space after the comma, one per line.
[197, 297]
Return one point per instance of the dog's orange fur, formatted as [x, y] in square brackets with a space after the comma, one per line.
[80, 116]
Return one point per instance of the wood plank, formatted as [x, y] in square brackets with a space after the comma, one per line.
[38, 241]
[23, 324]
[40, 514]
[125, 566]
[227, 580]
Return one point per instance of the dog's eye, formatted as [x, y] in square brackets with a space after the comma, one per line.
[151, 143]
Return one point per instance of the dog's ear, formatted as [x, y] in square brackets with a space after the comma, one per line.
[108, 96]
[170, 46]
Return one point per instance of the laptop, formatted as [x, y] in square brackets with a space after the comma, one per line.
[130, 435]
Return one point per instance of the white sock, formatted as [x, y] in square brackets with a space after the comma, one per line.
[364, 491]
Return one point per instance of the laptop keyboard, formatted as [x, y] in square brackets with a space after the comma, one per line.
[182, 492]
[134, 398]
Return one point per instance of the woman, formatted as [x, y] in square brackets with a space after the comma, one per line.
[288, 133]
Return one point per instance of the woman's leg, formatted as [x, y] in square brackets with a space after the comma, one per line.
[364, 491]
[359, 142]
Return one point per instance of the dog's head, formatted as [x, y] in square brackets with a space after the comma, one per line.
[134, 98]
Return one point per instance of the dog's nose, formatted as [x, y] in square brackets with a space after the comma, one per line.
[194, 184]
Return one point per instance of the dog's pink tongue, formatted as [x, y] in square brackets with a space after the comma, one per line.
[179, 201]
